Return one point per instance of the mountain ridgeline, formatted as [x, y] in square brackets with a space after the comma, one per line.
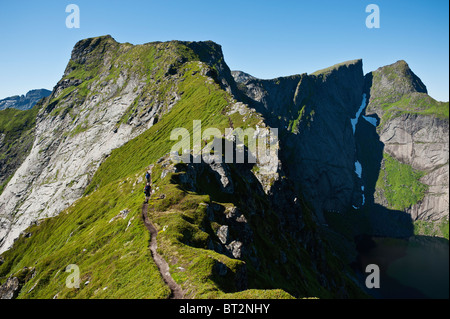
[24, 102]
[357, 154]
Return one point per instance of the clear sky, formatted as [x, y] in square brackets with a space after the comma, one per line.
[264, 38]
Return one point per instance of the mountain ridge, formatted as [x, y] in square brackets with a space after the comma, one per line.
[107, 121]
[24, 102]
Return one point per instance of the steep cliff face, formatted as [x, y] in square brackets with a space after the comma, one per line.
[319, 118]
[414, 130]
[314, 115]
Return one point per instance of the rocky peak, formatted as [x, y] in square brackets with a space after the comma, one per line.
[413, 131]
[211, 53]
[390, 83]
[242, 77]
[24, 102]
[83, 49]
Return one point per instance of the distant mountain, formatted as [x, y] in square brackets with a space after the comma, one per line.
[24, 102]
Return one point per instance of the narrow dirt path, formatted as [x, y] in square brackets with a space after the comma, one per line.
[176, 291]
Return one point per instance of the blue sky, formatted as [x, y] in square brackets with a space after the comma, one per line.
[264, 38]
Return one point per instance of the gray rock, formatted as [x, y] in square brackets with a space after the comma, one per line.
[223, 234]
[319, 151]
[419, 140]
[10, 289]
[235, 249]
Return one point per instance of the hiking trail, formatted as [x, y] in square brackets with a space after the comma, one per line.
[176, 291]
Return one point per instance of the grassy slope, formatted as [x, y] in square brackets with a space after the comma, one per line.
[414, 103]
[17, 126]
[400, 184]
[107, 254]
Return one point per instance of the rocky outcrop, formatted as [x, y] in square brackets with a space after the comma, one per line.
[10, 289]
[12, 286]
[24, 102]
[414, 131]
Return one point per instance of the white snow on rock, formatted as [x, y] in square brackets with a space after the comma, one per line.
[371, 120]
[354, 120]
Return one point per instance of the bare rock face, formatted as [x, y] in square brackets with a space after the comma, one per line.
[317, 143]
[10, 288]
[423, 143]
[412, 134]
[314, 114]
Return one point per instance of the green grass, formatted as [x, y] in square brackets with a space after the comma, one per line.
[258, 294]
[200, 100]
[328, 70]
[415, 103]
[18, 129]
[112, 254]
[13, 121]
[432, 228]
[400, 184]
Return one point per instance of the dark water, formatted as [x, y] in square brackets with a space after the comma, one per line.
[417, 267]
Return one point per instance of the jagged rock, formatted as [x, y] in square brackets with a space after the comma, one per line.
[237, 221]
[222, 173]
[410, 137]
[10, 289]
[235, 249]
[223, 234]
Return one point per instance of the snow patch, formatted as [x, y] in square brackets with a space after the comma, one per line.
[358, 168]
[371, 120]
[354, 121]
